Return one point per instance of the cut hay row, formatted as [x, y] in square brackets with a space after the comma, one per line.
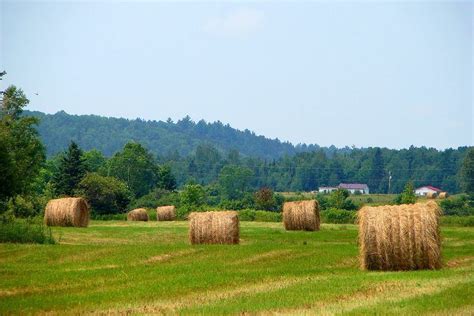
[67, 212]
[400, 237]
[138, 214]
[166, 213]
[301, 215]
[214, 227]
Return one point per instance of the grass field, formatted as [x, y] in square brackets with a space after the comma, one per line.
[143, 268]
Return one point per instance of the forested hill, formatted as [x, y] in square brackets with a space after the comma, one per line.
[109, 135]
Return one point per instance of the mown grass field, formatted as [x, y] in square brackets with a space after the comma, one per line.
[145, 268]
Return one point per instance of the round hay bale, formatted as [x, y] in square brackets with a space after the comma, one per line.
[214, 227]
[301, 215]
[67, 212]
[138, 214]
[443, 195]
[166, 213]
[400, 237]
[431, 195]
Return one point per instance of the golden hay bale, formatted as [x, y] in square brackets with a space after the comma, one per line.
[301, 215]
[214, 227]
[443, 195]
[138, 214]
[400, 237]
[166, 213]
[67, 212]
[431, 195]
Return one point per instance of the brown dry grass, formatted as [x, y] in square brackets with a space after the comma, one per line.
[67, 212]
[214, 227]
[138, 214]
[301, 215]
[400, 237]
[166, 213]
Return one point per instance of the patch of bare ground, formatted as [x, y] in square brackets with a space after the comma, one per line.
[460, 262]
[168, 256]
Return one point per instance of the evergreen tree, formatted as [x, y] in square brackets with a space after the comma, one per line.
[467, 175]
[377, 173]
[408, 195]
[167, 180]
[70, 172]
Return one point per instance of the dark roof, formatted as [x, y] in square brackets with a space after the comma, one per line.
[353, 186]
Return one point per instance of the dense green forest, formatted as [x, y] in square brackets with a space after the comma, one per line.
[109, 135]
[199, 152]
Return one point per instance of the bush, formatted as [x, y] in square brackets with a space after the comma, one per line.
[336, 216]
[25, 206]
[466, 221]
[249, 215]
[157, 197]
[265, 216]
[456, 206]
[25, 231]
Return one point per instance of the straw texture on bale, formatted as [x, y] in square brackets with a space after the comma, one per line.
[443, 195]
[400, 237]
[214, 227]
[166, 213]
[138, 214]
[431, 195]
[67, 212]
[301, 215]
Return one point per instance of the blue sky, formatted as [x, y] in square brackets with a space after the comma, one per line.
[390, 74]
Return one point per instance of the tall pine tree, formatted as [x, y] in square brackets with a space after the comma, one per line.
[377, 173]
[70, 172]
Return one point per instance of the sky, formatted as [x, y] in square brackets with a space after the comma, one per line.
[389, 74]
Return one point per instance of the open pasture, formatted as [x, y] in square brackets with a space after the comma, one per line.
[150, 267]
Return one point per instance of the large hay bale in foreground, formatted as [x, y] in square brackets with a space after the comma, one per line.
[166, 213]
[67, 212]
[443, 195]
[301, 215]
[431, 195]
[214, 227]
[400, 237]
[138, 214]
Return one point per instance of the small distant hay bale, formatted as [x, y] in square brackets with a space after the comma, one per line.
[67, 212]
[400, 237]
[301, 215]
[166, 213]
[138, 214]
[214, 227]
[443, 195]
[431, 195]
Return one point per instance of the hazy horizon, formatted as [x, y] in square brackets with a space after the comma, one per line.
[365, 74]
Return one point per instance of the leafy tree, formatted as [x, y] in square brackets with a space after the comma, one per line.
[408, 195]
[94, 160]
[467, 172]
[193, 196]
[21, 151]
[234, 181]
[264, 199]
[70, 172]
[106, 195]
[467, 175]
[167, 180]
[338, 198]
[136, 167]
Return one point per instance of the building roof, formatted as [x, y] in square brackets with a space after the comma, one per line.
[353, 186]
[429, 187]
[327, 188]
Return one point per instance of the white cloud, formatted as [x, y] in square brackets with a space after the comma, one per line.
[238, 23]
